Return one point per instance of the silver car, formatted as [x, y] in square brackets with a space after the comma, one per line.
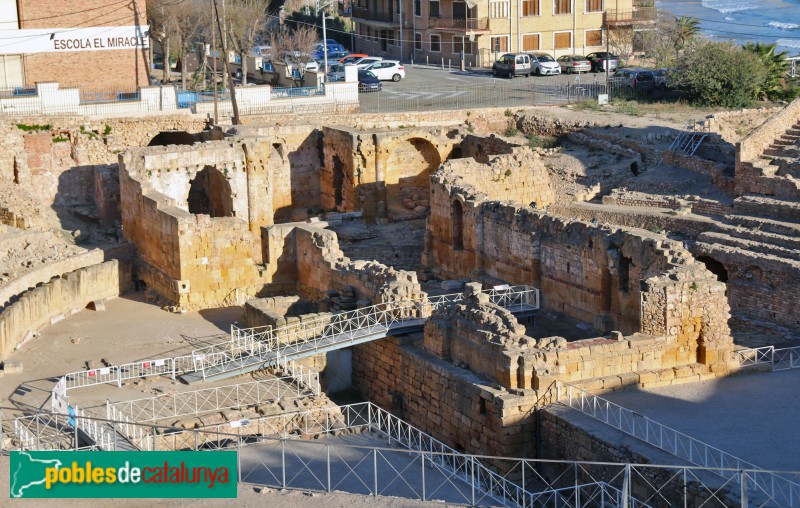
[574, 63]
[544, 64]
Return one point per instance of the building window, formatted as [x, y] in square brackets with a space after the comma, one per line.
[530, 42]
[433, 9]
[461, 44]
[562, 40]
[530, 7]
[417, 7]
[418, 41]
[436, 43]
[562, 6]
[499, 44]
[594, 37]
[390, 36]
[498, 8]
[594, 5]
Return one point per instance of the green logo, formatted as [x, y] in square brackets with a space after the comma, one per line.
[66, 474]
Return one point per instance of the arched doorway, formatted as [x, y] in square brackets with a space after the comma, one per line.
[457, 225]
[407, 175]
[210, 194]
[715, 267]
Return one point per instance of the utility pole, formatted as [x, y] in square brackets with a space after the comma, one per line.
[214, 52]
[225, 63]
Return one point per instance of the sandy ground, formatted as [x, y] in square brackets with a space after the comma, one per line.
[130, 329]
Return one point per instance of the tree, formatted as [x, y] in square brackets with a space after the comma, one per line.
[180, 23]
[774, 85]
[245, 25]
[720, 74]
[686, 29]
[293, 46]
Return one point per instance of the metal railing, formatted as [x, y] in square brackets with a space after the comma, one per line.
[300, 91]
[784, 490]
[417, 463]
[249, 347]
[779, 359]
[197, 402]
[365, 13]
[635, 15]
[459, 24]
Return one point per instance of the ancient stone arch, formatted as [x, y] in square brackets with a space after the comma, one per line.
[210, 194]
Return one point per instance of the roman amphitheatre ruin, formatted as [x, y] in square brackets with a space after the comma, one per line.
[469, 288]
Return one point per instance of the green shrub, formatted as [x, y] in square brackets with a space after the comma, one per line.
[60, 139]
[588, 104]
[536, 141]
[508, 113]
[721, 74]
[627, 107]
[511, 132]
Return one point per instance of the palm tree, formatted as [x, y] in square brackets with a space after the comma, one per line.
[777, 66]
[686, 30]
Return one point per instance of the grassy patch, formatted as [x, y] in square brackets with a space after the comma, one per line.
[510, 132]
[34, 127]
[587, 105]
[627, 107]
[537, 141]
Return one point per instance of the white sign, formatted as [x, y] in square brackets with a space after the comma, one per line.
[59, 40]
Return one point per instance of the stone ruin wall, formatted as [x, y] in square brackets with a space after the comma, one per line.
[49, 302]
[383, 172]
[750, 176]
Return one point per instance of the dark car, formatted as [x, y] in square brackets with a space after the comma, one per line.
[641, 81]
[664, 78]
[368, 82]
[599, 59]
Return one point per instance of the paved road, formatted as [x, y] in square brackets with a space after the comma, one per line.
[426, 88]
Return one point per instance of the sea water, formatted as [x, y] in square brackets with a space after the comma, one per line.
[765, 21]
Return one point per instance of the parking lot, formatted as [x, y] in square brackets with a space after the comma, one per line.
[435, 88]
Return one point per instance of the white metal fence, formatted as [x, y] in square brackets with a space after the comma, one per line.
[198, 402]
[415, 465]
[783, 489]
[779, 359]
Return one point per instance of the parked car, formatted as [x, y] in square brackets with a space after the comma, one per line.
[601, 59]
[663, 78]
[336, 72]
[544, 64]
[574, 63]
[262, 51]
[387, 69]
[332, 46]
[363, 63]
[352, 58]
[368, 82]
[641, 81]
[332, 55]
[512, 64]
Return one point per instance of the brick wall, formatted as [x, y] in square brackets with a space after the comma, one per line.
[116, 70]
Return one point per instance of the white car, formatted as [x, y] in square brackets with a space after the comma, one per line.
[387, 69]
[544, 64]
[367, 61]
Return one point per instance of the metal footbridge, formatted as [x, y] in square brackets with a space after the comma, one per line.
[257, 348]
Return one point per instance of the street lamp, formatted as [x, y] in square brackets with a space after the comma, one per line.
[325, 41]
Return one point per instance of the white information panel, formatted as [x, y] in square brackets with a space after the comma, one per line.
[59, 40]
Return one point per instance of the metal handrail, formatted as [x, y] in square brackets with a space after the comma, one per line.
[785, 491]
[343, 329]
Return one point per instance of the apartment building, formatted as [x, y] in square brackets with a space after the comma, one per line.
[90, 44]
[439, 30]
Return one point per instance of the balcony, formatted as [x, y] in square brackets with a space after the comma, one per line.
[629, 17]
[459, 25]
[365, 14]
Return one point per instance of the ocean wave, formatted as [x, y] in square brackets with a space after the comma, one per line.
[783, 26]
[730, 6]
[789, 43]
[730, 18]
